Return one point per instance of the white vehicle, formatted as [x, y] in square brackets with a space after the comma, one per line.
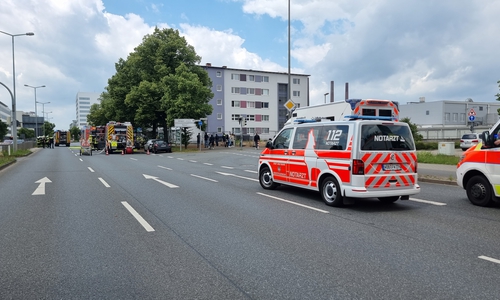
[478, 170]
[343, 160]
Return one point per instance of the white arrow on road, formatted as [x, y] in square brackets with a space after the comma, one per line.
[234, 175]
[40, 190]
[160, 181]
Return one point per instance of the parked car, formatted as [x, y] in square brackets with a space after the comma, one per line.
[161, 146]
[149, 144]
[468, 140]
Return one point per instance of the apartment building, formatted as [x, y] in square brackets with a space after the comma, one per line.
[83, 102]
[257, 96]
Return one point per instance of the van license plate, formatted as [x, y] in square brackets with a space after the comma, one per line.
[391, 167]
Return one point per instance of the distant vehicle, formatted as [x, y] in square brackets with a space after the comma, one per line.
[20, 141]
[149, 144]
[161, 146]
[468, 140]
[119, 137]
[62, 138]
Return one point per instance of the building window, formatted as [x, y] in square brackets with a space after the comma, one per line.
[462, 117]
[250, 104]
[427, 112]
[219, 88]
[235, 103]
[235, 76]
[455, 117]
[265, 104]
[265, 130]
[250, 117]
[265, 78]
[296, 81]
[265, 118]
[480, 108]
[251, 78]
[84, 98]
[219, 129]
[296, 93]
[236, 130]
[219, 116]
[265, 92]
[447, 116]
[251, 91]
[219, 74]
[219, 101]
[235, 117]
[235, 90]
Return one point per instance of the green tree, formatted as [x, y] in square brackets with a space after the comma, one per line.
[48, 128]
[414, 130]
[186, 134]
[75, 133]
[159, 82]
[3, 130]
[28, 133]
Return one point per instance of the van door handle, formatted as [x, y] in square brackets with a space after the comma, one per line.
[293, 152]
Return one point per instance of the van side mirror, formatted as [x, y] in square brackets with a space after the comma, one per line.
[269, 145]
[488, 139]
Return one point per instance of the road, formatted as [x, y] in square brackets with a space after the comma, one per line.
[199, 226]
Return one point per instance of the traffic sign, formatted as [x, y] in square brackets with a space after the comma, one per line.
[472, 112]
[290, 105]
[472, 118]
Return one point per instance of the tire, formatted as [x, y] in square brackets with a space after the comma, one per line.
[330, 192]
[266, 179]
[388, 200]
[479, 191]
[464, 149]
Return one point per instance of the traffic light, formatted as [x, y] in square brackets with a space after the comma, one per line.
[245, 122]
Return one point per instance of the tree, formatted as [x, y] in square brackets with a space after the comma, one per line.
[186, 134]
[498, 96]
[414, 130]
[157, 83]
[3, 130]
[48, 128]
[75, 133]
[28, 133]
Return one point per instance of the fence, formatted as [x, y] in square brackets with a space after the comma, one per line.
[448, 133]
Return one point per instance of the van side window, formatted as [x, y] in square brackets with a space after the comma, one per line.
[282, 141]
[333, 137]
[302, 134]
[386, 137]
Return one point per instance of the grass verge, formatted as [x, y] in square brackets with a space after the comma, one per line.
[441, 159]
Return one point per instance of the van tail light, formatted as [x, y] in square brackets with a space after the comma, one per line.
[461, 141]
[416, 165]
[474, 141]
[358, 167]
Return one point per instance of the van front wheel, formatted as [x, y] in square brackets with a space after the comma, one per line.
[330, 192]
[479, 191]
[266, 179]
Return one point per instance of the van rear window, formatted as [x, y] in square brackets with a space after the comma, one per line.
[391, 137]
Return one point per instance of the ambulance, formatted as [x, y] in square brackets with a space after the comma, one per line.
[360, 157]
[478, 170]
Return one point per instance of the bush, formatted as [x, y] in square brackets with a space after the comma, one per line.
[420, 145]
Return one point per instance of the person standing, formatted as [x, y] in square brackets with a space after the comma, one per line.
[216, 140]
[198, 140]
[256, 140]
[211, 141]
[206, 140]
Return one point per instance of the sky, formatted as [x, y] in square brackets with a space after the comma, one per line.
[385, 49]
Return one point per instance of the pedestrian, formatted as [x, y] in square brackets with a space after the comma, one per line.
[228, 140]
[43, 142]
[198, 140]
[216, 140]
[206, 140]
[51, 139]
[224, 139]
[256, 140]
[211, 141]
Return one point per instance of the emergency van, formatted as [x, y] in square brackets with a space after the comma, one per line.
[478, 170]
[86, 141]
[119, 137]
[361, 157]
[62, 138]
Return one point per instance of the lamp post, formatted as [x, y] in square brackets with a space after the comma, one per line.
[43, 116]
[326, 94]
[14, 119]
[36, 115]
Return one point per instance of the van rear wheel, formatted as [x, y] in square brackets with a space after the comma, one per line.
[479, 191]
[388, 199]
[330, 192]
[266, 179]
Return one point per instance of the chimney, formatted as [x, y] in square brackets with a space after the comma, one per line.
[346, 90]
[332, 98]
[209, 64]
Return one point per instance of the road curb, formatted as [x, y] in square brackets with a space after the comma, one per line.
[438, 181]
[8, 164]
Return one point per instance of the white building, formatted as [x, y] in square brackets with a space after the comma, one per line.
[258, 96]
[5, 114]
[83, 102]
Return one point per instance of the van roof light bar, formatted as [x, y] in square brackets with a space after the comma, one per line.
[360, 117]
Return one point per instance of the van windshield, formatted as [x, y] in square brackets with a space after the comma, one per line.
[391, 137]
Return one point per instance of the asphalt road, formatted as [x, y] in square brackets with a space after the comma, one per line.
[199, 226]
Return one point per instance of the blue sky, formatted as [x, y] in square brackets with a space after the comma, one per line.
[389, 49]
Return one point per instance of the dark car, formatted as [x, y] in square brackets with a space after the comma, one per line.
[161, 146]
[149, 144]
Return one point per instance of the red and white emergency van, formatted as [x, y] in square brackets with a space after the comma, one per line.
[478, 170]
[343, 160]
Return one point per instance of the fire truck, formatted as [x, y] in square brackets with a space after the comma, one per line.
[98, 134]
[337, 111]
[62, 138]
[119, 137]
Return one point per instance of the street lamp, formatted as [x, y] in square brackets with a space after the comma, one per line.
[326, 94]
[36, 115]
[14, 119]
[43, 116]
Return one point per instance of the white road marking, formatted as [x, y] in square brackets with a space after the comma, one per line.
[40, 190]
[90, 169]
[208, 164]
[164, 168]
[428, 202]
[138, 217]
[210, 179]
[234, 175]
[225, 167]
[179, 158]
[81, 159]
[497, 261]
[104, 182]
[133, 158]
[295, 203]
[170, 185]
[251, 171]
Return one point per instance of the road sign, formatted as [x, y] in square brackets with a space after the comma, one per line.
[472, 118]
[183, 122]
[290, 105]
[472, 112]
